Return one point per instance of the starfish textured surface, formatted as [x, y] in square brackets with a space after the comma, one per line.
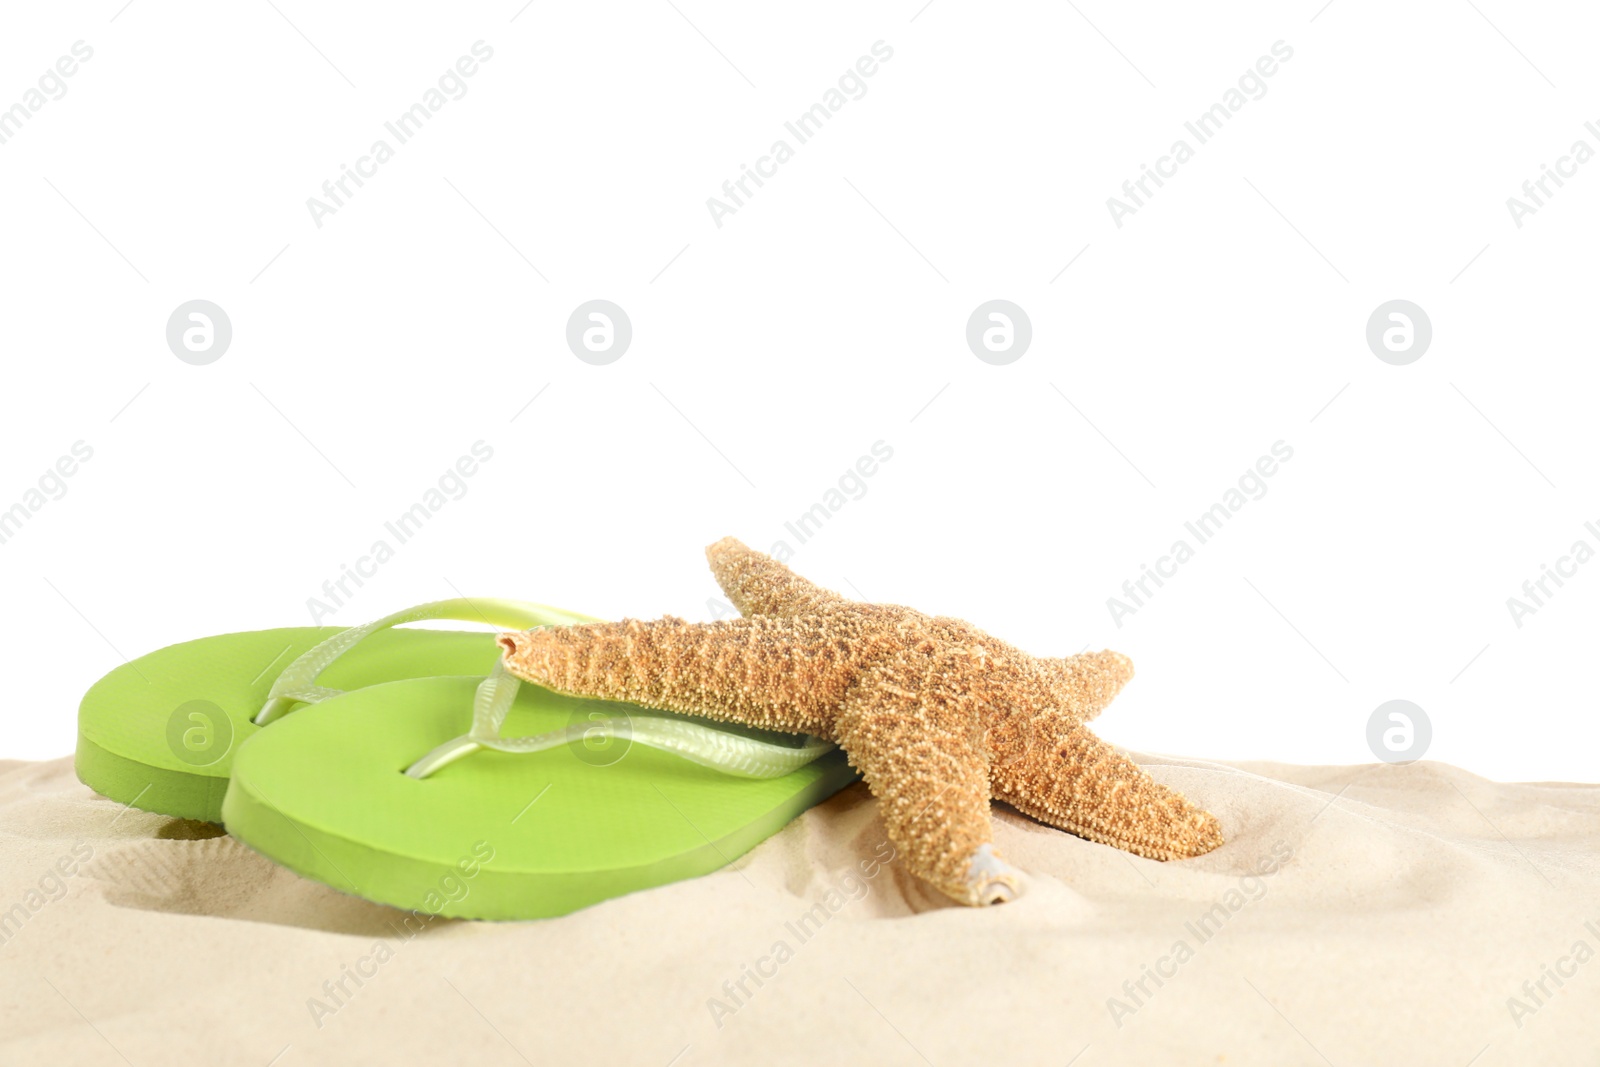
[938, 716]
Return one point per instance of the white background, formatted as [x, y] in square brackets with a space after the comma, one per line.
[827, 314]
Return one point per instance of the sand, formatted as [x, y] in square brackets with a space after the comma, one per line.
[1357, 915]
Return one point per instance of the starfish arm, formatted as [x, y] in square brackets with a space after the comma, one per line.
[779, 674]
[912, 730]
[1071, 779]
[1084, 684]
[757, 584]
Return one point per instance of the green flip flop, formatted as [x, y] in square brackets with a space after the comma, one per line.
[159, 733]
[549, 803]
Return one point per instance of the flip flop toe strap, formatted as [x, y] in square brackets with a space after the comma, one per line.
[727, 751]
[298, 682]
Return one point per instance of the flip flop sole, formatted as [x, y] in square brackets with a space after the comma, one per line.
[494, 835]
[159, 733]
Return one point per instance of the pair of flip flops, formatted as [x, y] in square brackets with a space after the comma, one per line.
[407, 767]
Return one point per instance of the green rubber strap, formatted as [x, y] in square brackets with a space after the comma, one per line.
[297, 683]
[724, 750]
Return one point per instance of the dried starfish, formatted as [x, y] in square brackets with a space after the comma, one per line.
[936, 714]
